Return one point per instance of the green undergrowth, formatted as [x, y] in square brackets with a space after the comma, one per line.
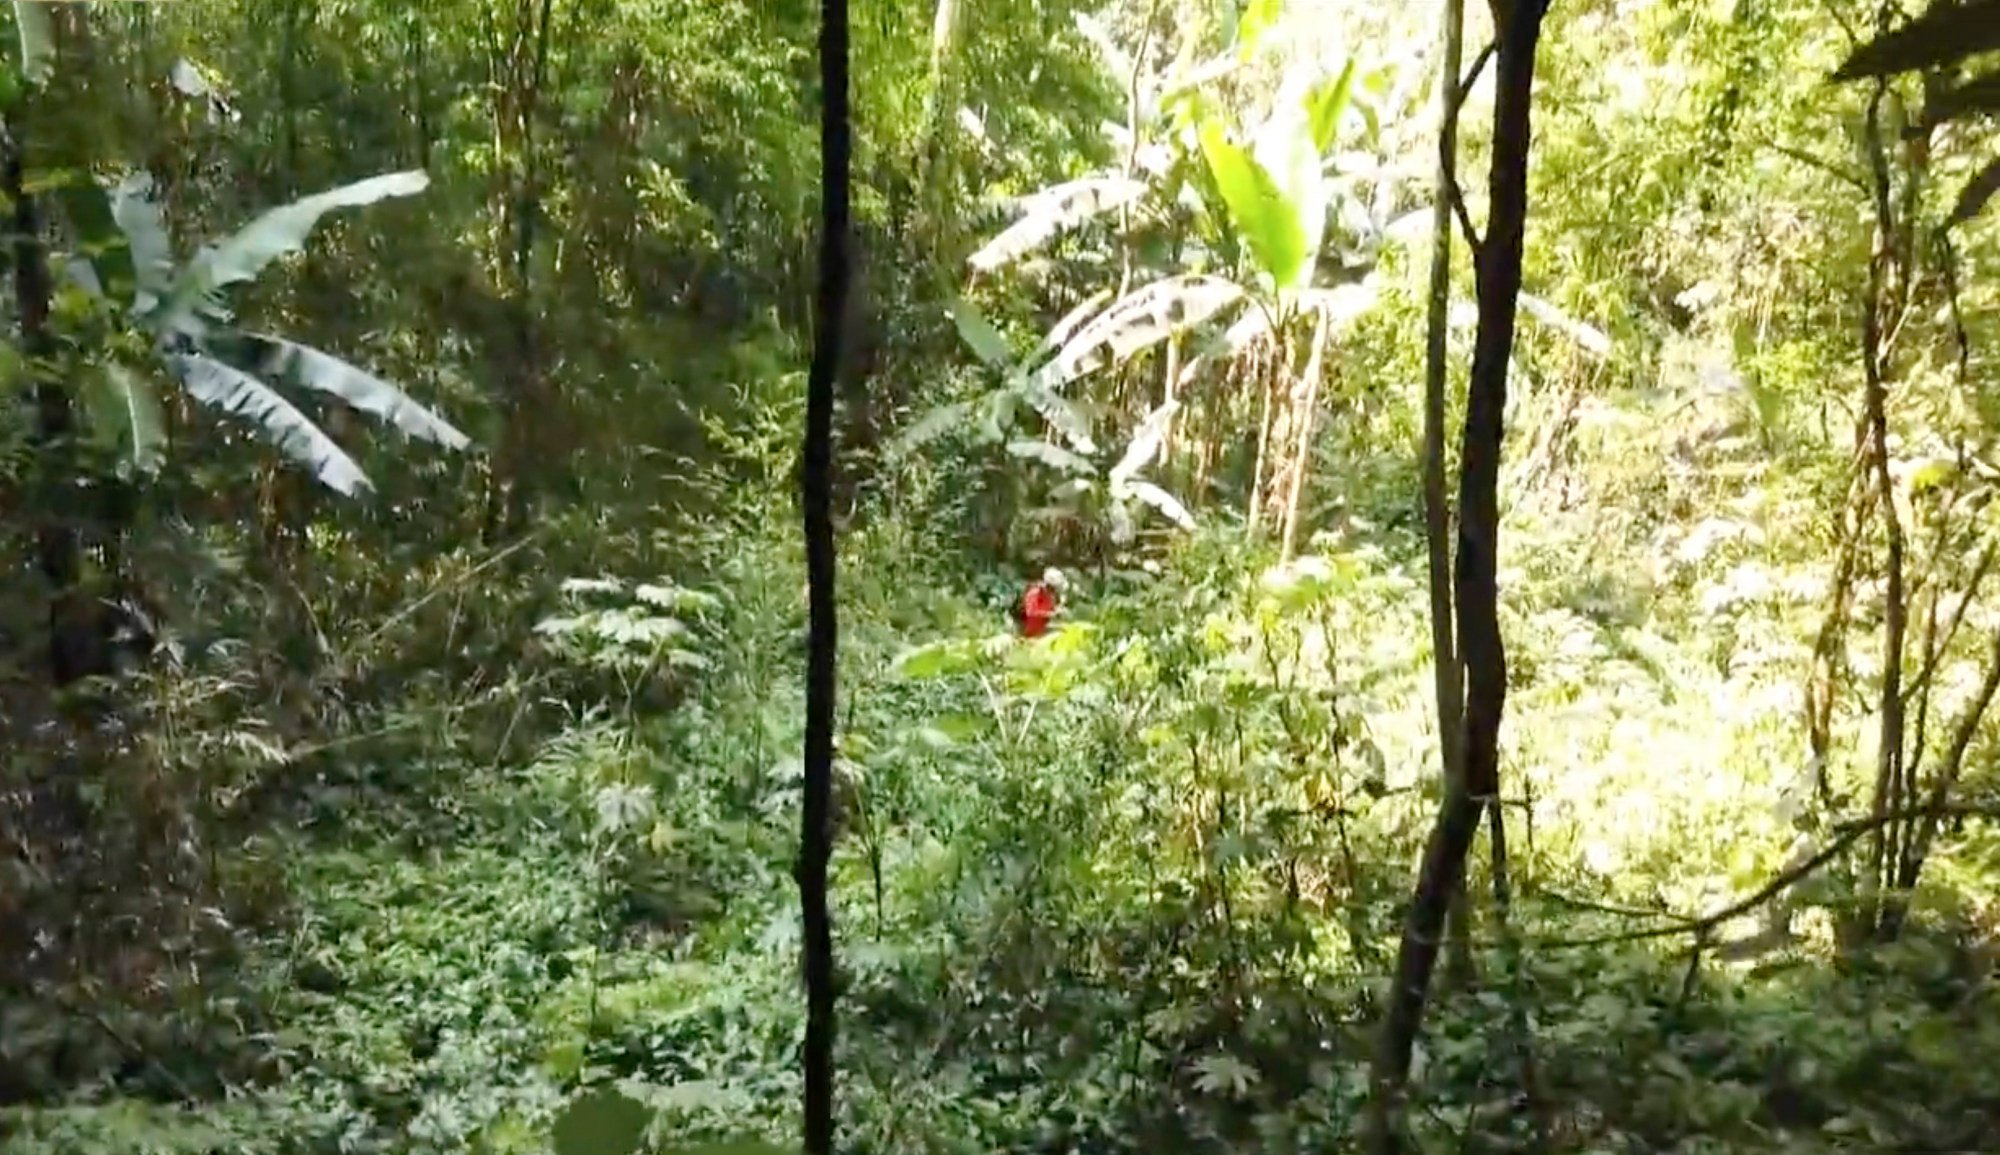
[1130, 889]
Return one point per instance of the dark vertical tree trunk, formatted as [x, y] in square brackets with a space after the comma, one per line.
[509, 498]
[816, 486]
[57, 548]
[1518, 25]
[1449, 675]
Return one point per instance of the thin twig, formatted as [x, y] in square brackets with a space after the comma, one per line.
[1828, 167]
[1849, 834]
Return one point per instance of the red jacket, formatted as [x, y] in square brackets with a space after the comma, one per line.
[1036, 607]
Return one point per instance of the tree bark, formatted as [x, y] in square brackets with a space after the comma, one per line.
[57, 548]
[816, 498]
[1306, 406]
[509, 496]
[1448, 674]
[1518, 25]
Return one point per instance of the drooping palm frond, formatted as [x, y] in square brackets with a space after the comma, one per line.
[357, 387]
[241, 395]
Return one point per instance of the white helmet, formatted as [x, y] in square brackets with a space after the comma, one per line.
[1053, 578]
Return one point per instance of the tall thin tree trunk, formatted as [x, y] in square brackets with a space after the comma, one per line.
[939, 98]
[1448, 675]
[816, 499]
[1517, 30]
[1890, 787]
[57, 550]
[1306, 406]
[509, 498]
[1266, 370]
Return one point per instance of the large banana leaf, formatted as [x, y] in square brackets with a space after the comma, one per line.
[1061, 413]
[1259, 17]
[284, 230]
[1046, 213]
[38, 40]
[1161, 500]
[237, 393]
[125, 413]
[931, 426]
[1259, 212]
[1327, 105]
[1140, 319]
[1342, 305]
[1060, 333]
[1145, 444]
[363, 390]
[979, 334]
[1054, 456]
[138, 217]
[1285, 148]
[1255, 324]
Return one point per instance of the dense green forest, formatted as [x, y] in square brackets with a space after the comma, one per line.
[1523, 473]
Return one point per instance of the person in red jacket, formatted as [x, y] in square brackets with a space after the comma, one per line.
[1039, 603]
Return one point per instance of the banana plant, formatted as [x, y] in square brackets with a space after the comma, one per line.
[1113, 494]
[180, 310]
[1031, 381]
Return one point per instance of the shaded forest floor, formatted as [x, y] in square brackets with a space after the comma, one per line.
[1130, 890]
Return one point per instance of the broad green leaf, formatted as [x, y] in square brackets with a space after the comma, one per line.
[1284, 149]
[38, 39]
[986, 341]
[83, 275]
[931, 426]
[1139, 320]
[1978, 191]
[1224, 1075]
[1062, 414]
[1122, 528]
[1929, 473]
[237, 393]
[124, 408]
[1327, 106]
[1258, 209]
[605, 1121]
[1254, 325]
[1258, 18]
[1060, 333]
[1945, 34]
[937, 660]
[1341, 305]
[1181, 96]
[1046, 213]
[101, 245]
[1162, 501]
[1145, 443]
[996, 415]
[1051, 455]
[364, 391]
[284, 230]
[138, 218]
